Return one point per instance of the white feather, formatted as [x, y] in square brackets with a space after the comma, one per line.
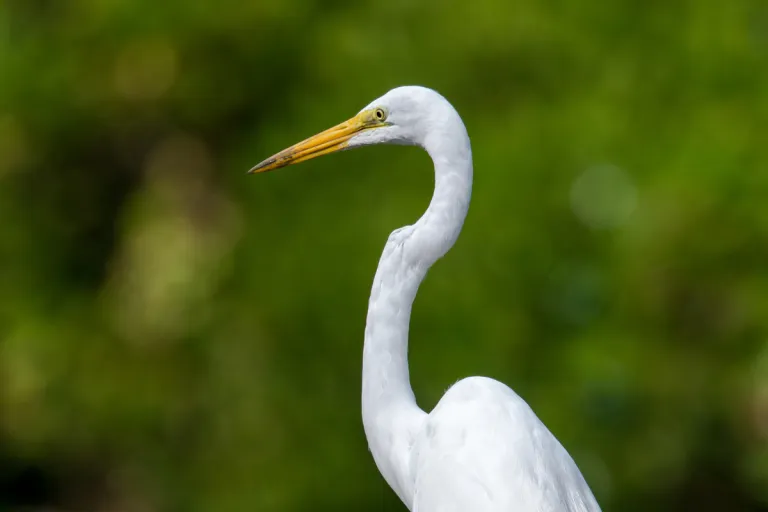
[482, 449]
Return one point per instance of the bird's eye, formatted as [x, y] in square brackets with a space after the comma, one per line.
[379, 114]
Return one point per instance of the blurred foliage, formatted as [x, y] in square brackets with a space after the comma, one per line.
[177, 336]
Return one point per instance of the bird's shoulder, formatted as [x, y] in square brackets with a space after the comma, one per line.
[483, 446]
[482, 413]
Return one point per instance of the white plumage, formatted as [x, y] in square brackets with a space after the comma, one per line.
[482, 449]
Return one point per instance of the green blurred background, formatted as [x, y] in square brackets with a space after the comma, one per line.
[178, 336]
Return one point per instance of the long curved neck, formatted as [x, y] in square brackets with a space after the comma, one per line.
[390, 415]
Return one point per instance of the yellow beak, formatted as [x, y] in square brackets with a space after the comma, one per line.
[329, 141]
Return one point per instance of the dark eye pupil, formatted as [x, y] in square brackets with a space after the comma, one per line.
[379, 114]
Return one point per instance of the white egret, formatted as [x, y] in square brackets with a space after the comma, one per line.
[482, 448]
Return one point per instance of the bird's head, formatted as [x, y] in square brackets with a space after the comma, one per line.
[404, 115]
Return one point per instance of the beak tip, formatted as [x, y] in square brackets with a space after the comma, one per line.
[257, 168]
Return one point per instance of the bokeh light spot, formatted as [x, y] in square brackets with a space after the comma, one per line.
[603, 197]
[145, 70]
[13, 145]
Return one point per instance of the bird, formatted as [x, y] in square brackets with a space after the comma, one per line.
[482, 448]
